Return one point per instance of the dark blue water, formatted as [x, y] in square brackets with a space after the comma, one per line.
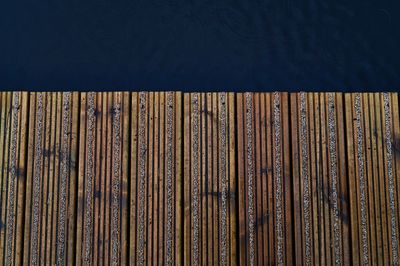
[200, 44]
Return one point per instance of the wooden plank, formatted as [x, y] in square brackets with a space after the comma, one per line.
[198, 215]
[29, 179]
[382, 193]
[3, 130]
[314, 177]
[204, 173]
[179, 178]
[50, 190]
[396, 173]
[187, 186]
[16, 170]
[81, 170]
[97, 192]
[52, 247]
[150, 179]
[334, 176]
[258, 181]
[297, 180]
[133, 183]
[304, 197]
[320, 177]
[375, 185]
[343, 187]
[45, 176]
[232, 180]
[241, 180]
[361, 177]
[5, 174]
[161, 227]
[264, 216]
[38, 180]
[214, 151]
[73, 133]
[396, 152]
[390, 178]
[288, 230]
[156, 215]
[270, 167]
[325, 180]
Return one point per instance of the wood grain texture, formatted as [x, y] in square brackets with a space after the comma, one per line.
[171, 178]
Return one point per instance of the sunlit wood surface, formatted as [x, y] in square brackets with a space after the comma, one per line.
[172, 178]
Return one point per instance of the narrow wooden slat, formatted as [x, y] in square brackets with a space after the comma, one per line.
[271, 184]
[314, 178]
[319, 172]
[258, 182]
[232, 180]
[5, 176]
[210, 180]
[107, 173]
[381, 166]
[161, 244]
[142, 174]
[375, 185]
[37, 181]
[18, 172]
[204, 168]
[50, 191]
[150, 179]
[52, 247]
[325, 180]
[335, 180]
[369, 173]
[297, 183]
[390, 171]
[73, 175]
[29, 179]
[241, 180]
[6, 122]
[179, 178]
[156, 215]
[342, 179]
[16, 169]
[3, 131]
[81, 169]
[187, 186]
[215, 183]
[396, 152]
[60, 176]
[97, 192]
[45, 177]
[265, 170]
[120, 115]
[288, 230]
[133, 181]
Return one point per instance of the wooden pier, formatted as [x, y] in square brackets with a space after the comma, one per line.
[172, 178]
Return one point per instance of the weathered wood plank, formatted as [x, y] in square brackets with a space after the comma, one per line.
[198, 217]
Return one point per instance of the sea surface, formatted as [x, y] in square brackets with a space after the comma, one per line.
[200, 44]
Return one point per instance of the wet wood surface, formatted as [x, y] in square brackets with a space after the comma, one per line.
[172, 178]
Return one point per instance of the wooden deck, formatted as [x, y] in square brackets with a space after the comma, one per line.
[173, 178]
